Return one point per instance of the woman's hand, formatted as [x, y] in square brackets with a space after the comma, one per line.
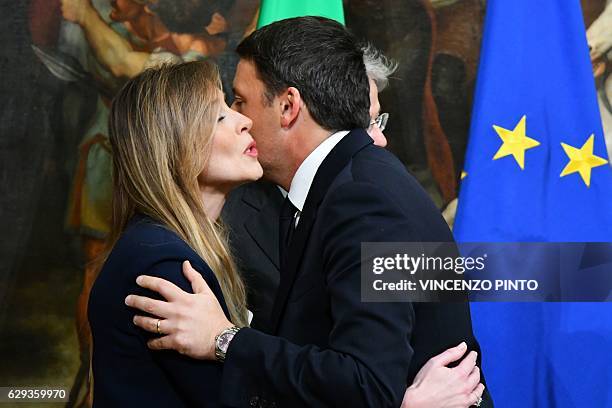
[437, 385]
[189, 322]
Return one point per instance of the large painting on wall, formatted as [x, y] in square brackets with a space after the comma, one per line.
[65, 59]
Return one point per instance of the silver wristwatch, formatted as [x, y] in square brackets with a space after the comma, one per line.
[222, 341]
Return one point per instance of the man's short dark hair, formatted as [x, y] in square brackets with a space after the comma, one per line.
[320, 58]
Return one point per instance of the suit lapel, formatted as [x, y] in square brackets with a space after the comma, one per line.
[263, 227]
[333, 164]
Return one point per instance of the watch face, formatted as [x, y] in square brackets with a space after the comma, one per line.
[224, 340]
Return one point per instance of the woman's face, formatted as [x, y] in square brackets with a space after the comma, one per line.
[233, 159]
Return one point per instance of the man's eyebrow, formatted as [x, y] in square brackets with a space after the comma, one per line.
[235, 91]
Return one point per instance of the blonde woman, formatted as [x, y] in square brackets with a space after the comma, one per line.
[177, 150]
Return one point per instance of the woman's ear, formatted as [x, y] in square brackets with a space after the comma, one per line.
[291, 102]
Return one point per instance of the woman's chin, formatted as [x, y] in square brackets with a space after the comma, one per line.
[259, 172]
[255, 171]
[253, 175]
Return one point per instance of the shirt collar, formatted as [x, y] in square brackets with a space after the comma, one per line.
[300, 185]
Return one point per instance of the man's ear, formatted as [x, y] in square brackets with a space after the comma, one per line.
[291, 103]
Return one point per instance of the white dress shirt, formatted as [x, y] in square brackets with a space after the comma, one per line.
[300, 185]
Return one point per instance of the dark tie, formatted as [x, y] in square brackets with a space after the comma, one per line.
[286, 226]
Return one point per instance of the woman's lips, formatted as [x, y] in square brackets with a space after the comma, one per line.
[251, 149]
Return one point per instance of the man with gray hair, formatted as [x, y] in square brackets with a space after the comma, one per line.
[379, 68]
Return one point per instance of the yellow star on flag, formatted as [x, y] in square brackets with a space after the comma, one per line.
[582, 160]
[515, 142]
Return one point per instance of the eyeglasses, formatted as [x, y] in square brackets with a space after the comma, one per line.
[380, 121]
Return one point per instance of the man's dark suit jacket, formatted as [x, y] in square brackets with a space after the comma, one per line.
[126, 372]
[322, 346]
[251, 214]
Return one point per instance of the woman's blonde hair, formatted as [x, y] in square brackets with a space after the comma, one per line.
[161, 131]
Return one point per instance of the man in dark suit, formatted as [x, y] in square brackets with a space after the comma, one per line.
[252, 210]
[303, 82]
[251, 214]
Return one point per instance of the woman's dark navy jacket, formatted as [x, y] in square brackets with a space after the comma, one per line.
[126, 373]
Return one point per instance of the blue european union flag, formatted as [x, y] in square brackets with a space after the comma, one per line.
[537, 171]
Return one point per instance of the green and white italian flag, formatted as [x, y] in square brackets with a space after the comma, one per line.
[274, 10]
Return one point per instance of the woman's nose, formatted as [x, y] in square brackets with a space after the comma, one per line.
[246, 123]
